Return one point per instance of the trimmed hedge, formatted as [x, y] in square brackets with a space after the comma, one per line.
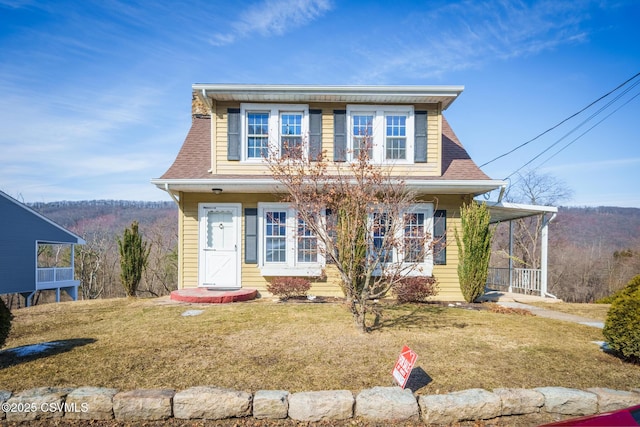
[415, 289]
[622, 326]
[287, 287]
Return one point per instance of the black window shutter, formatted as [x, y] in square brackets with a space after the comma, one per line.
[315, 134]
[251, 236]
[340, 135]
[233, 134]
[440, 237]
[420, 142]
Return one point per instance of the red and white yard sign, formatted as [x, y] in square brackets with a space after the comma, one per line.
[404, 365]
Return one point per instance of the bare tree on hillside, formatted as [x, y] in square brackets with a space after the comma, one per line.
[534, 189]
[161, 275]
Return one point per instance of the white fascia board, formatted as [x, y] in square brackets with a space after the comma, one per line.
[267, 184]
[312, 93]
[479, 186]
[505, 211]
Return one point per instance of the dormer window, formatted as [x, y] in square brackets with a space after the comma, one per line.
[387, 132]
[291, 133]
[257, 135]
[273, 129]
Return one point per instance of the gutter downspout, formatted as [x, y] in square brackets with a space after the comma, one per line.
[503, 189]
[175, 199]
[544, 234]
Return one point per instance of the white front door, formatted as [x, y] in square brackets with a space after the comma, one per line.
[219, 265]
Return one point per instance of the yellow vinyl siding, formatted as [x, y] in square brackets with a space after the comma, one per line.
[223, 166]
[446, 275]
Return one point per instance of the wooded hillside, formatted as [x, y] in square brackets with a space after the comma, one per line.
[592, 250]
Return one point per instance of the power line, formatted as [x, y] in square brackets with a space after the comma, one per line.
[562, 122]
[580, 125]
[587, 131]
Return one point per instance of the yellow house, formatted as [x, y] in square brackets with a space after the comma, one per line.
[227, 198]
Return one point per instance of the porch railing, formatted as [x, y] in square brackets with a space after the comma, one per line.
[54, 274]
[523, 280]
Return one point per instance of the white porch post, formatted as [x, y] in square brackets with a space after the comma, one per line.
[510, 256]
[544, 235]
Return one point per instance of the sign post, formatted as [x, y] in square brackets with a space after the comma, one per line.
[404, 365]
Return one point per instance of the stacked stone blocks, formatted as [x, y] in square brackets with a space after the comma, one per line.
[378, 404]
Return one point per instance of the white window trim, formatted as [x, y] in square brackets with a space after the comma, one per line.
[425, 267]
[274, 111]
[409, 269]
[378, 128]
[292, 267]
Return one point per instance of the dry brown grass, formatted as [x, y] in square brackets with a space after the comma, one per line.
[591, 311]
[130, 344]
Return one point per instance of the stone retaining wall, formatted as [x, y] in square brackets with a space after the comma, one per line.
[376, 404]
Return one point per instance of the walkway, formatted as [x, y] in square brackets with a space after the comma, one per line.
[512, 300]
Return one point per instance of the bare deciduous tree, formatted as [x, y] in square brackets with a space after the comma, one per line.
[534, 189]
[161, 275]
[359, 214]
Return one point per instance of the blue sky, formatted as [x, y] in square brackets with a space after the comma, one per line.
[95, 96]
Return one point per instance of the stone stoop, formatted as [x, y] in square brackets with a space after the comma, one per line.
[377, 404]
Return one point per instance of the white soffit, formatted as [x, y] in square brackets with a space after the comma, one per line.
[504, 211]
[342, 94]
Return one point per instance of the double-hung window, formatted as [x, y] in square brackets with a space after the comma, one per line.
[403, 243]
[273, 129]
[257, 134]
[395, 134]
[362, 131]
[291, 133]
[386, 131]
[288, 247]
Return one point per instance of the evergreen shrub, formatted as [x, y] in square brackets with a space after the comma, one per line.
[622, 326]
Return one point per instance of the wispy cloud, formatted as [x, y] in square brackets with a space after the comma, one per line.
[467, 34]
[273, 17]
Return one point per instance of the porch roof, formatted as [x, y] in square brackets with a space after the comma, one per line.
[505, 211]
[266, 184]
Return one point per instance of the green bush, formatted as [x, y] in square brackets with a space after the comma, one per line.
[415, 289]
[5, 322]
[134, 255]
[287, 287]
[622, 326]
[474, 249]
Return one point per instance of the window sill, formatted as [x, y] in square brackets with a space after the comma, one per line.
[306, 271]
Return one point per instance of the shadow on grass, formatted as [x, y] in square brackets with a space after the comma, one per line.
[415, 317]
[418, 379]
[26, 353]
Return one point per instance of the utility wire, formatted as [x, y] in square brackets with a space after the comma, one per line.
[582, 134]
[563, 121]
[588, 130]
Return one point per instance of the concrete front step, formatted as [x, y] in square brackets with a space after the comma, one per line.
[213, 296]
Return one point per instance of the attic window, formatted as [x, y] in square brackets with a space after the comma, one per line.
[386, 131]
[273, 129]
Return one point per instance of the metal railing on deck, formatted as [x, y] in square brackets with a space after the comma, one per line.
[523, 280]
[55, 274]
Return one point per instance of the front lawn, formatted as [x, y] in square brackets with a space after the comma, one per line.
[590, 311]
[145, 343]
